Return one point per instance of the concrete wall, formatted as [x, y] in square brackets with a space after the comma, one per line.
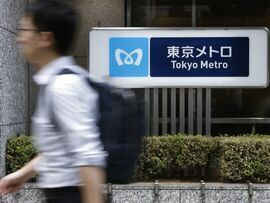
[95, 13]
[13, 76]
[168, 193]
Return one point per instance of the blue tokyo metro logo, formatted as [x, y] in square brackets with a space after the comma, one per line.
[129, 57]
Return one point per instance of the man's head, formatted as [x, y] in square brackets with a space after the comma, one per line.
[47, 25]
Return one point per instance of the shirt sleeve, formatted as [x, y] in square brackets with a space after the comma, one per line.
[75, 111]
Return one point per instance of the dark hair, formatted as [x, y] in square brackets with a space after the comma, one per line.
[57, 17]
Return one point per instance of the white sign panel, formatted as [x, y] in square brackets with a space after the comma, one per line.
[139, 58]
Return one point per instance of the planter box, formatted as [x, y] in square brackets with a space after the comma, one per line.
[167, 193]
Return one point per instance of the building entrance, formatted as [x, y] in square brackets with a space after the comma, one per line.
[203, 111]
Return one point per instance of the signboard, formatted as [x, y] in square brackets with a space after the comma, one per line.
[137, 58]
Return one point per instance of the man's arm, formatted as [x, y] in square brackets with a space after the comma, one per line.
[92, 178]
[14, 181]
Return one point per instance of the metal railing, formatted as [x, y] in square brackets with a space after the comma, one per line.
[174, 110]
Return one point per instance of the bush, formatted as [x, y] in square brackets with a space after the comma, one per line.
[195, 151]
[158, 157]
[239, 158]
[166, 156]
[245, 158]
[20, 150]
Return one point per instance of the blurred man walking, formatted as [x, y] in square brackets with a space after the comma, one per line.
[71, 160]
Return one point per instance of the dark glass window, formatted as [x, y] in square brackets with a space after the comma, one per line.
[232, 13]
[157, 13]
[233, 103]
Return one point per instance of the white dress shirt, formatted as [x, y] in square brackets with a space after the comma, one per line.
[65, 125]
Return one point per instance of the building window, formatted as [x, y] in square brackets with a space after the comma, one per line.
[225, 103]
[232, 13]
[161, 13]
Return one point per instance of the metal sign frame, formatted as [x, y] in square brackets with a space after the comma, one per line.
[215, 81]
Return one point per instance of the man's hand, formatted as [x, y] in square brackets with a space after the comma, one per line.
[11, 183]
[14, 181]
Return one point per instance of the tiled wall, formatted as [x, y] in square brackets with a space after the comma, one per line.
[12, 76]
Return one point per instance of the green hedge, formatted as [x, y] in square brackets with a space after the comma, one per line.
[245, 158]
[19, 151]
[237, 158]
[167, 156]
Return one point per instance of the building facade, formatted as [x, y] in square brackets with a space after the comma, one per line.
[197, 110]
[13, 76]
[167, 110]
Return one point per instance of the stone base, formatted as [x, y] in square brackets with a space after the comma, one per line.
[167, 193]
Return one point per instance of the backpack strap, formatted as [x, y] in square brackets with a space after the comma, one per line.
[85, 77]
[67, 71]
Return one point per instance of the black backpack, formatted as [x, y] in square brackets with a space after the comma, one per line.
[121, 129]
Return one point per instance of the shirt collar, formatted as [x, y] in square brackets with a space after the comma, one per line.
[43, 76]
